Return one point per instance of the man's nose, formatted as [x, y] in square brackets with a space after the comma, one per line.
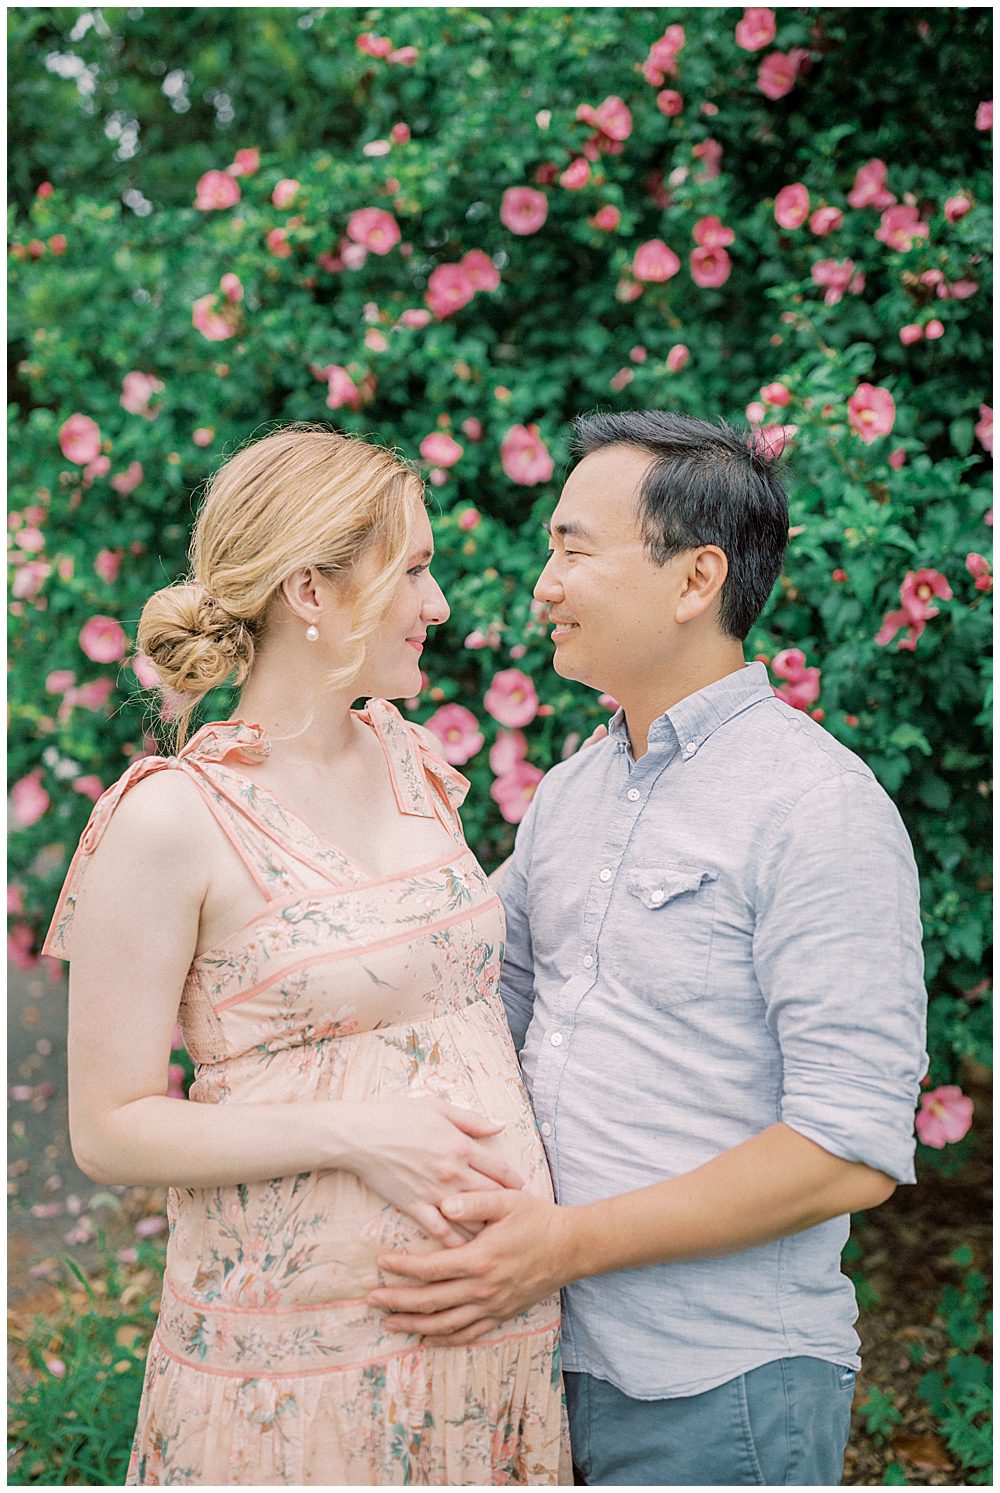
[548, 586]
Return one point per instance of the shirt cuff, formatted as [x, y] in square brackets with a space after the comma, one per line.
[869, 1125]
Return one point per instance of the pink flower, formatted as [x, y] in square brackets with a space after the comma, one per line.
[99, 467]
[89, 785]
[21, 951]
[984, 429]
[771, 440]
[514, 790]
[897, 459]
[869, 189]
[29, 579]
[415, 317]
[232, 288]
[662, 59]
[148, 1228]
[525, 456]
[29, 800]
[277, 242]
[956, 207]
[944, 1116]
[204, 435]
[285, 192]
[216, 190]
[757, 29]
[107, 565]
[473, 428]
[127, 481]
[984, 115]
[710, 267]
[892, 622]
[509, 749]
[403, 56]
[775, 394]
[710, 233]
[341, 389]
[576, 175]
[838, 276]
[933, 330]
[59, 681]
[373, 45]
[441, 450]
[480, 269]
[669, 102]
[376, 229]
[103, 640]
[677, 357]
[826, 220]
[622, 379]
[614, 118]
[655, 261]
[606, 218]
[449, 288]
[755, 412]
[400, 134]
[981, 571]
[791, 206]
[511, 698]
[899, 227]
[245, 162]
[871, 411]
[709, 152]
[523, 210]
[137, 390]
[801, 689]
[918, 591]
[80, 439]
[213, 325]
[910, 333]
[779, 71]
[458, 732]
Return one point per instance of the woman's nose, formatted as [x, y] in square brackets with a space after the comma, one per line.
[435, 607]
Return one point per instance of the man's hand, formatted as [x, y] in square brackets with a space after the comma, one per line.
[518, 1259]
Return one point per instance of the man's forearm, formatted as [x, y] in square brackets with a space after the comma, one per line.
[775, 1184]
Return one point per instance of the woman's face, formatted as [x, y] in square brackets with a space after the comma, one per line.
[392, 664]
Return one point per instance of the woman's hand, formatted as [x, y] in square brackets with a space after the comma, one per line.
[416, 1152]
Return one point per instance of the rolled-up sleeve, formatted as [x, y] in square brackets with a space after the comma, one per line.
[517, 983]
[838, 959]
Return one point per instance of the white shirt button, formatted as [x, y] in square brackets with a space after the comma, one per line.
[606, 874]
[545, 1128]
[633, 794]
[658, 896]
[588, 961]
[556, 1039]
[690, 746]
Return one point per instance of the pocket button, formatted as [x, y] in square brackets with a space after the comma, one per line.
[657, 896]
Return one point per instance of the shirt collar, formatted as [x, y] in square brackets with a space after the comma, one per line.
[690, 722]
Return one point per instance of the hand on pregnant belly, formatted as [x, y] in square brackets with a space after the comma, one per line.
[416, 1152]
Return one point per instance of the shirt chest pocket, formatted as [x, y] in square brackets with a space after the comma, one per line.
[665, 934]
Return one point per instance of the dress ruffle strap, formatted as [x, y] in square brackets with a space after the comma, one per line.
[412, 758]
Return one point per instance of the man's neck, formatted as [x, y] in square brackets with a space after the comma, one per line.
[650, 699]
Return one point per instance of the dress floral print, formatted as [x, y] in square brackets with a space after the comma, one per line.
[267, 1365]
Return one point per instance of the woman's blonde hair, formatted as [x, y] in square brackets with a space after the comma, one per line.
[304, 495]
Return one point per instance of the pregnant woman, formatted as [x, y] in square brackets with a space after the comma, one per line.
[293, 888]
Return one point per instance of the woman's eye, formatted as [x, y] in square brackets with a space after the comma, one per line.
[418, 570]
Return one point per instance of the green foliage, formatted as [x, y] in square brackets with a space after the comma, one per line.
[156, 97]
[879, 1413]
[961, 1397]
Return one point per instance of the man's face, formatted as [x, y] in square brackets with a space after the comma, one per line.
[612, 609]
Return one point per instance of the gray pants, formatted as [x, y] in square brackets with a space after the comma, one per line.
[786, 1422]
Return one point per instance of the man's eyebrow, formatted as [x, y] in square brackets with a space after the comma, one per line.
[569, 530]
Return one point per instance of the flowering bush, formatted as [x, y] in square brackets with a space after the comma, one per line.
[503, 219]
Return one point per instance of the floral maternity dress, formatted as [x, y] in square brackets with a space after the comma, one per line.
[267, 1366]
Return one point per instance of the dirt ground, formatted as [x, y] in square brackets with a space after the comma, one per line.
[54, 1211]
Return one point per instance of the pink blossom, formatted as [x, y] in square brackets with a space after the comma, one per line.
[440, 449]
[662, 59]
[514, 790]
[93, 694]
[204, 435]
[772, 439]
[31, 540]
[523, 210]
[473, 428]
[984, 115]
[614, 118]
[489, 639]
[15, 902]
[576, 175]
[899, 227]
[89, 785]
[757, 29]
[944, 1116]
[376, 229]
[103, 639]
[80, 439]
[869, 189]
[145, 670]
[779, 71]
[107, 565]
[709, 152]
[801, 687]
[29, 579]
[911, 333]
[871, 411]
[511, 698]
[956, 207]
[669, 102]
[21, 947]
[897, 459]
[209, 321]
[961, 290]
[606, 218]
[449, 288]
[148, 1228]
[981, 571]
[175, 1081]
[655, 261]
[892, 623]
[710, 233]
[826, 220]
[29, 800]
[216, 190]
[232, 288]
[458, 732]
[59, 681]
[352, 256]
[137, 390]
[99, 467]
[277, 242]
[285, 192]
[622, 379]
[984, 428]
[245, 162]
[838, 276]
[933, 330]
[341, 389]
[791, 206]
[400, 134]
[525, 456]
[403, 56]
[510, 748]
[373, 45]
[677, 357]
[480, 269]
[710, 267]
[918, 591]
[775, 394]
[127, 481]
[415, 317]
[755, 412]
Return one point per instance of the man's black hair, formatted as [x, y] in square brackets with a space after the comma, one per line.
[707, 484]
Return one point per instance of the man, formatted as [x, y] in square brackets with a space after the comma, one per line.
[714, 969]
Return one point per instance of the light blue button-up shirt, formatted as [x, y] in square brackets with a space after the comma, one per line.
[719, 936]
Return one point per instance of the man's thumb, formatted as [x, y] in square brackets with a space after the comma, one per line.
[480, 1207]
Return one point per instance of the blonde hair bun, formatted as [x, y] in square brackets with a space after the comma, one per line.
[194, 644]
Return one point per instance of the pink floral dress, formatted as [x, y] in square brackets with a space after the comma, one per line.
[267, 1366]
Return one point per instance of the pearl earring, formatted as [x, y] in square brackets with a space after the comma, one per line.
[312, 632]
